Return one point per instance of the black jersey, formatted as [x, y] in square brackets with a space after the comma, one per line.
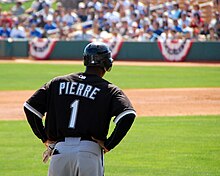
[79, 105]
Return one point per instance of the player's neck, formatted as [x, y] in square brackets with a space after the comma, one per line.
[95, 71]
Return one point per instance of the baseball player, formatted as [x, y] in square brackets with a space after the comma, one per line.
[78, 109]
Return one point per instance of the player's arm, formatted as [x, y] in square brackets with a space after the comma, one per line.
[35, 108]
[36, 124]
[123, 124]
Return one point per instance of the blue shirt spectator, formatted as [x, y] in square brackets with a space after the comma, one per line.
[176, 12]
[35, 32]
[50, 26]
[5, 32]
[176, 26]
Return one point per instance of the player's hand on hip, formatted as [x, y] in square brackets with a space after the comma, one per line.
[48, 142]
[49, 151]
[101, 143]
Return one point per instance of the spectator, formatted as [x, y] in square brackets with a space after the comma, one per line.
[169, 5]
[133, 31]
[116, 16]
[6, 19]
[205, 30]
[123, 28]
[100, 19]
[174, 34]
[97, 5]
[176, 26]
[111, 15]
[81, 13]
[196, 9]
[59, 8]
[196, 35]
[142, 36]
[35, 32]
[166, 34]
[41, 23]
[187, 31]
[197, 21]
[122, 4]
[212, 36]
[91, 14]
[18, 9]
[35, 6]
[184, 20]
[17, 31]
[156, 28]
[70, 17]
[50, 25]
[215, 20]
[187, 9]
[83, 34]
[33, 19]
[124, 15]
[5, 31]
[106, 27]
[167, 20]
[138, 6]
[45, 12]
[176, 12]
[57, 17]
[156, 18]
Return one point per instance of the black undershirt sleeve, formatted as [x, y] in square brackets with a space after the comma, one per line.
[36, 125]
[119, 131]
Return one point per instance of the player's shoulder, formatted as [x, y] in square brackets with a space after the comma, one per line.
[114, 88]
[66, 77]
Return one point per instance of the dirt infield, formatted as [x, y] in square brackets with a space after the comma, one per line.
[147, 102]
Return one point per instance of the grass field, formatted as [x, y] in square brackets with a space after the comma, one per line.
[163, 146]
[8, 6]
[155, 146]
[32, 76]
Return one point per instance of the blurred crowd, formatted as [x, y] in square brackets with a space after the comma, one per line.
[133, 20]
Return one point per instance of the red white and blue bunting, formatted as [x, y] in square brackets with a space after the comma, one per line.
[174, 50]
[41, 48]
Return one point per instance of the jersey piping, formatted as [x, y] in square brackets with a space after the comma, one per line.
[120, 116]
[30, 108]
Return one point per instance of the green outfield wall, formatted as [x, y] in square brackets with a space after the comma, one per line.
[147, 51]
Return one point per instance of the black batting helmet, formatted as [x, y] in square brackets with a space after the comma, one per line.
[98, 54]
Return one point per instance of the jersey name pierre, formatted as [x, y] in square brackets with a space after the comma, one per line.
[80, 89]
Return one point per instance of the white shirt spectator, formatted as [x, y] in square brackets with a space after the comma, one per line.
[97, 6]
[70, 18]
[45, 12]
[18, 9]
[124, 3]
[81, 35]
[166, 35]
[18, 32]
[112, 16]
[35, 5]
[139, 5]
[184, 20]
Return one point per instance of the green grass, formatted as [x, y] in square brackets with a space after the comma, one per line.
[8, 6]
[32, 76]
[163, 146]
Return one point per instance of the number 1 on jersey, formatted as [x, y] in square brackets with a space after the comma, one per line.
[74, 107]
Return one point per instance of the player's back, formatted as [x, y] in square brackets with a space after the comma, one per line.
[78, 105]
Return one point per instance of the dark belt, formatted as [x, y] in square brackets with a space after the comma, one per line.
[81, 139]
[55, 152]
